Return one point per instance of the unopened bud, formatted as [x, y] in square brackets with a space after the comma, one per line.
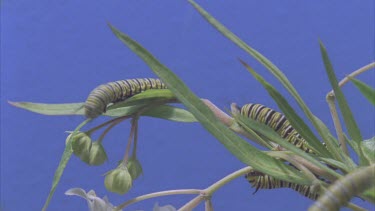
[118, 180]
[134, 167]
[96, 156]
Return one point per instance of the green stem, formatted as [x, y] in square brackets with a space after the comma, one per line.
[134, 153]
[105, 124]
[207, 193]
[332, 107]
[130, 139]
[108, 129]
[157, 194]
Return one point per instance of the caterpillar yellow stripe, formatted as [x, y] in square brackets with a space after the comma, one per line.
[278, 122]
[259, 180]
[117, 91]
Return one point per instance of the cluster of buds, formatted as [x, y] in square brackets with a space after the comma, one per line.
[118, 180]
[90, 152]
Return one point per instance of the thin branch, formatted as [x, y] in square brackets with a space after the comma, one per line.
[107, 123]
[207, 193]
[354, 74]
[332, 107]
[157, 194]
[130, 140]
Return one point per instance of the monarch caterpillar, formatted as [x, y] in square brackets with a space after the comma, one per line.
[341, 191]
[277, 122]
[282, 126]
[263, 181]
[116, 91]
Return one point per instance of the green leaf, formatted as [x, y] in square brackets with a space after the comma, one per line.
[335, 163]
[146, 97]
[237, 146]
[331, 142]
[352, 144]
[351, 125]
[291, 115]
[51, 109]
[368, 149]
[365, 89]
[63, 162]
[264, 61]
[171, 113]
[130, 107]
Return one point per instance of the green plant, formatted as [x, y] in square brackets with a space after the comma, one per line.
[307, 168]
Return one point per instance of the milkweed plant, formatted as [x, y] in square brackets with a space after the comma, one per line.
[322, 166]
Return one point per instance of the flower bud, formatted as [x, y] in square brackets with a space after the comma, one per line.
[96, 156]
[118, 180]
[134, 167]
[81, 144]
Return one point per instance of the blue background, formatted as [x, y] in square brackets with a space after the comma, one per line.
[57, 51]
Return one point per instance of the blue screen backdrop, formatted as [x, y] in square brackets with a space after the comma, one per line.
[58, 51]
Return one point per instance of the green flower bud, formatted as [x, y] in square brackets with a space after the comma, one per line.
[96, 155]
[81, 144]
[134, 167]
[118, 180]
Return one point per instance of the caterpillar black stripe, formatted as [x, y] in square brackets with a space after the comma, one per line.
[276, 121]
[341, 191]
[117, 91]
[263, 181]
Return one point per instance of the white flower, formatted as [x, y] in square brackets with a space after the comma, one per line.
[95, 203]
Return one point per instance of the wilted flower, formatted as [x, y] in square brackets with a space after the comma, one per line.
[118, 180]
[95, 203]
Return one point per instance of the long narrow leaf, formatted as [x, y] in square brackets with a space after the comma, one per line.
[350, 123]
[163, 111]
[51, 109]
[264, 61]
[171, 113]
[291, 115]
[237, 146]
[63, 162]
[331, 143]
[365, 89]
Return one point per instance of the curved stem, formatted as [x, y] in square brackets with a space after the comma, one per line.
[354, 74]
[157, 194]
[106, 123]
[134, 152]
[214, 187]
[207, 193]
[108, 129]
[220, 115]
[332, 107]
[130, 139]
